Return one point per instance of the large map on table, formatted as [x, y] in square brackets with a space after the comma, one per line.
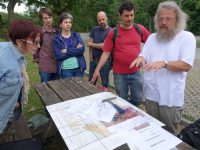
[104, 121]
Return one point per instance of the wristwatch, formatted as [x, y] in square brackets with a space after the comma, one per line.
[166, 64]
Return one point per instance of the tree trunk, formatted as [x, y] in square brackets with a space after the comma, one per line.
[1, 23]
[10, 9]
[150, 24]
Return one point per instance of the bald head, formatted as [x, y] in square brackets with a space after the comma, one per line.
[101, 14]
[102, 19]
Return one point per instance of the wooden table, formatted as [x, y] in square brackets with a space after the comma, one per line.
[62, 90]
[57, 91]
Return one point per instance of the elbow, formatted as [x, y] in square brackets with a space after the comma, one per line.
[187, 68]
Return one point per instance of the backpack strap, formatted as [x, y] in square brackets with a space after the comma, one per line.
[115, 35]
[138, 29]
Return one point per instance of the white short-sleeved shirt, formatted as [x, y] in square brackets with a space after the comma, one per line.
[164, 86]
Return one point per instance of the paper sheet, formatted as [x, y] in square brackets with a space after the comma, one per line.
[83, 126]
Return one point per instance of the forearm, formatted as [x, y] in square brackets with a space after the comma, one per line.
[178, 66]
[103, 60]
[96, 45]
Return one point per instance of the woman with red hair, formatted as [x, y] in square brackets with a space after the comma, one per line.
[25, 38]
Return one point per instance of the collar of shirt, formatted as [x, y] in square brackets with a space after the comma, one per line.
[17, 53]
[45, 30]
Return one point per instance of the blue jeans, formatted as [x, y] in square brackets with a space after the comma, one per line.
[133, 81]
[45, 77]
[104, 72]
[68, 73]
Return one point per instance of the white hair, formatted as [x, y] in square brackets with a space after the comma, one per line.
[181, 17]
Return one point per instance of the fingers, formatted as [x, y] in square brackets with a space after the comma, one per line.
[79, 45]
[153, 66]
[133, 64]
[64, 51]
[93, 81]
[139, 62]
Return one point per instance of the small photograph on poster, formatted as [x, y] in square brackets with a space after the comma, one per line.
[129, 113]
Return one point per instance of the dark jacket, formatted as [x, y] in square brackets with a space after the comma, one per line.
[72, 51]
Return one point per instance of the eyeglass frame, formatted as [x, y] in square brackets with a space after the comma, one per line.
[166, 19]
[31, 42]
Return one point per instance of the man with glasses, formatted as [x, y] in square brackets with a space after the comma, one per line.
[166, 58]
[95, 44]
[45, 56]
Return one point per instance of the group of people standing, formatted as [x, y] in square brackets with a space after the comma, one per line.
[166, 58]
[61, 51]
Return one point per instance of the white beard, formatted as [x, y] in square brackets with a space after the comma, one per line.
[165, 35]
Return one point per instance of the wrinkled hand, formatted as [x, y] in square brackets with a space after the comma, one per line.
[138, 62]
[79, 45]
[95, 76]
[63, 51]
[154, 65]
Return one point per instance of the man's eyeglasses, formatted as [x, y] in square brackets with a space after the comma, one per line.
[30, 42]
[167, 19]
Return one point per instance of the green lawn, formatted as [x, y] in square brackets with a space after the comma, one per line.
[34, 105]
[198, 44]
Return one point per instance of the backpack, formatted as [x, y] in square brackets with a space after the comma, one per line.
[191, 134]
[115, 34]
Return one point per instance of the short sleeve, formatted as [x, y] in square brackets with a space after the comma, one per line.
[108, 43]
[188, 48]
[92, 33]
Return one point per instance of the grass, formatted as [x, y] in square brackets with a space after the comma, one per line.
[34, 105]
[198, 43]
[188, 117]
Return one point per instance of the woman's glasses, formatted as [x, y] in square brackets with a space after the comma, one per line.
[31, 42]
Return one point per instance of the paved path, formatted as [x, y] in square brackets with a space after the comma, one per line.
[192, 91]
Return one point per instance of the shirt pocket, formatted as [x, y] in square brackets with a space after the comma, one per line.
[10, 83]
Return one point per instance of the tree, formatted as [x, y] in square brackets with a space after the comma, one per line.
[192, 8]
[10, 7]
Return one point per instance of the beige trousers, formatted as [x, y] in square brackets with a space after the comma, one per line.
[170, 116]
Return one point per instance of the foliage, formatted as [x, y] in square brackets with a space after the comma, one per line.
[193, 10]
[145, 12]
[84, 12]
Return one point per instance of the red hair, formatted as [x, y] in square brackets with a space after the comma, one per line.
[22, 29]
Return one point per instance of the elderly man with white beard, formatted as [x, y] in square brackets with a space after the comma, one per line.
[166, 58]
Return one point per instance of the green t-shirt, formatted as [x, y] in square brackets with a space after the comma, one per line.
[70, 63]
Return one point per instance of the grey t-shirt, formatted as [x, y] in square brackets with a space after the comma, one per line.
[98, 35]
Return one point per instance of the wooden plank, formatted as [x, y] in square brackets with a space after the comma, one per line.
[21, 129]
[85, 84]
[17, 130]
[47, 95]
[75, 88]
[61, 90]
